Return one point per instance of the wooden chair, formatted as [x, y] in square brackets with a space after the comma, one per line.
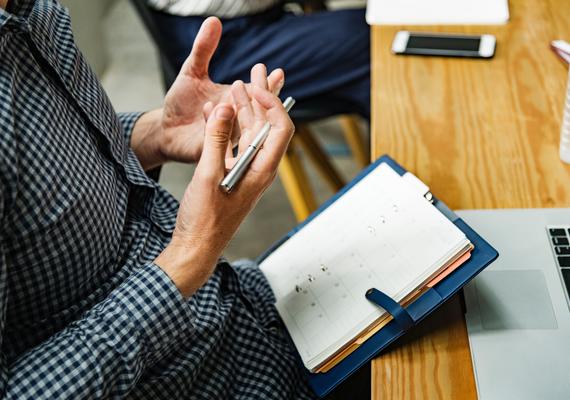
[291, 171]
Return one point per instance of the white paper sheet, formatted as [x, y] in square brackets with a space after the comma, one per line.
[437, 12]
[382, 233]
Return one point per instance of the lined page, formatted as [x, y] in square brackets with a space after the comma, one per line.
[381, 234]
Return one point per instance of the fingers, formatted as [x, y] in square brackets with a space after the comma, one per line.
[282, 128]
[276, 81]
[203, 49]
[229, 151]
[243, 102]
[274, 109]
[257, 104]
[259, 79]
[250, 121]
[259, 76]
[207, 111]
[218, 130]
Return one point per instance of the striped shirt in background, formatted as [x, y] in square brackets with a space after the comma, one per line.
[219, 8]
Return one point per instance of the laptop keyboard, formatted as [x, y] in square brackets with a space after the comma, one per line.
[560, 240]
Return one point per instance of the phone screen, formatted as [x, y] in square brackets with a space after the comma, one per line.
[443, 43]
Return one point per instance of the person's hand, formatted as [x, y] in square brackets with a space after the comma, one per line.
[176, 132]
[208, 217]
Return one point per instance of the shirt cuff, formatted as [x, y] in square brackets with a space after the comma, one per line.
[128, 121]
[154, 307]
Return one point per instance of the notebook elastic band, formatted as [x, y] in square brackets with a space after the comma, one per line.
[401, 316]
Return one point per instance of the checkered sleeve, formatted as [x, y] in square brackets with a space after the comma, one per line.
[104, 353]
[128, 121]
[3, 296]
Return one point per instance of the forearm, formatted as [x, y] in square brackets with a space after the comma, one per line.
[157, 138]
[145, 139]
[104, 354]
[188, 265]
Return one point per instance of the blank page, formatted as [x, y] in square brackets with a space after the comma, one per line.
[381, 233]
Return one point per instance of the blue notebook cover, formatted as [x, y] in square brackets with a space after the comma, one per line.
[482, 255]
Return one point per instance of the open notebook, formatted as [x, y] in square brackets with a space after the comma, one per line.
[381, 233]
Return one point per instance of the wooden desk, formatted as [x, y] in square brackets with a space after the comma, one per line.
[481, 134]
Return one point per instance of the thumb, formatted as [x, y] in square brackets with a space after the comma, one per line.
[218, 131]
[203, 49]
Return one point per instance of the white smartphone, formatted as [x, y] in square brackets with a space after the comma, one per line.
[439, 44]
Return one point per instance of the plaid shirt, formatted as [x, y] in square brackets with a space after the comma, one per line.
[84, 312]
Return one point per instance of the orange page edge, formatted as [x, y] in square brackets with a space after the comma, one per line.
[384, 321]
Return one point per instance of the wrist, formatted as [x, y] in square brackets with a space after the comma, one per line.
[189, 266]
[145, 140]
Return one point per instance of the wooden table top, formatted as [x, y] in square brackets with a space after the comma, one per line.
[481, 134]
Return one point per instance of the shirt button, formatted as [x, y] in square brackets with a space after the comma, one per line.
[273, 327]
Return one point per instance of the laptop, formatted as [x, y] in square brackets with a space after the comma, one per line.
[518, 309]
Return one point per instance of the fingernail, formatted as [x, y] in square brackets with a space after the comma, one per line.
[224, 113]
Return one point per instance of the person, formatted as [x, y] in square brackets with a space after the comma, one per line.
[108, 287]
[326, 54]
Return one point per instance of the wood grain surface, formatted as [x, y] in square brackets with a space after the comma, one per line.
[481, 134]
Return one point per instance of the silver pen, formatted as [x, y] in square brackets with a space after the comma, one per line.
[235, 174]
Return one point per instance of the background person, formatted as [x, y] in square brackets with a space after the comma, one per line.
[326, 55]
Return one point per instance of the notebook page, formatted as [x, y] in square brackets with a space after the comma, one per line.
[379, 234]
